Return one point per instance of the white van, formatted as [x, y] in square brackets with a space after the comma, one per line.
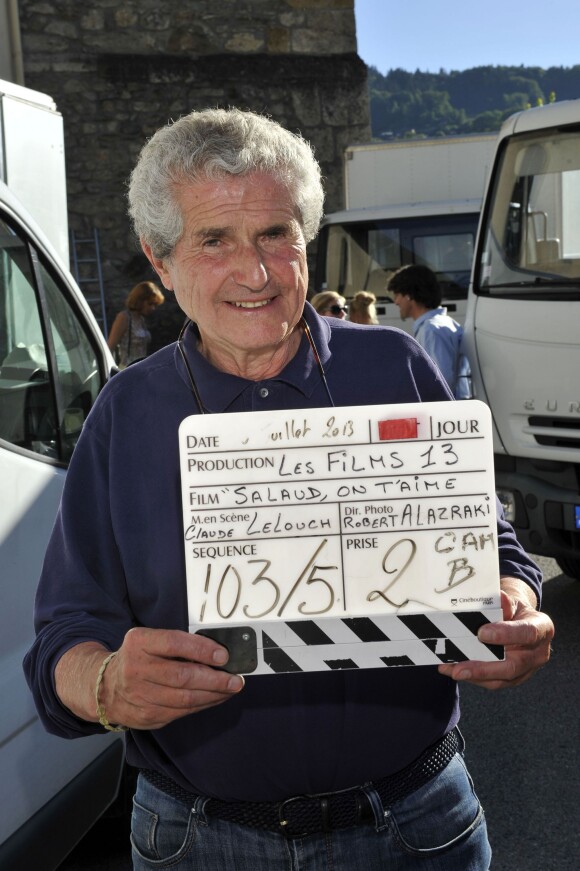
[523, 326]
[53, 362]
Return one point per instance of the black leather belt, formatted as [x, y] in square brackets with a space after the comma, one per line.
[304, 815]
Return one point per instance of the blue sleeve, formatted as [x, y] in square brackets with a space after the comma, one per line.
[440, 346]
[82, 592]
[513, 559]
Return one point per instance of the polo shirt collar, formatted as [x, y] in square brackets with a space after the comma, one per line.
[218, 390]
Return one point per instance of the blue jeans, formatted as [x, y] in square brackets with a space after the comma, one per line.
[440, 827]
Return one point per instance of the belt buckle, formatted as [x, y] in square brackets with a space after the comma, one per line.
[286, 823]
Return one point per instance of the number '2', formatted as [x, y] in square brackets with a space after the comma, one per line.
[398, 571]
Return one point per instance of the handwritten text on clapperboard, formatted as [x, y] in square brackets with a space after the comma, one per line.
[341, 511]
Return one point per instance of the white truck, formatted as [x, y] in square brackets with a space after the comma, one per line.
[414, 201]
[522, 331]
[53, 362]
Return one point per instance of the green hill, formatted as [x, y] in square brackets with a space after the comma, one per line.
[405, 104]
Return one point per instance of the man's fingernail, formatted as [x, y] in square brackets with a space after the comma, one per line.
[235, 683]
[220, 656]
[487, 635]
[464, 675]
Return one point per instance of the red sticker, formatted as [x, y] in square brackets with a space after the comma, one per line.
[404, 428]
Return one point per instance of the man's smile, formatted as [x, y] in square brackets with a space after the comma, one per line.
[254, 304]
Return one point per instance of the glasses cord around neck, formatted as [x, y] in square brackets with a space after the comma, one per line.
[310, 338]
[193, 385]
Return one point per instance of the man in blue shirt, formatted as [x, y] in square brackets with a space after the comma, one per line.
[417, 293]
[354, 769]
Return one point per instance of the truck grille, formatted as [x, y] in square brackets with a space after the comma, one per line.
[559, 432]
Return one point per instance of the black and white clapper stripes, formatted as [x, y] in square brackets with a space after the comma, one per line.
[277, 647]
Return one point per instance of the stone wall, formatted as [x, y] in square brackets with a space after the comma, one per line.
[119, 71]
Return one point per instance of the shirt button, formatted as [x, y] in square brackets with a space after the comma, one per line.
[264, 392]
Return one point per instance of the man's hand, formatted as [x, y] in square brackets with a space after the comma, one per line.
[525, 633]
[156, 677]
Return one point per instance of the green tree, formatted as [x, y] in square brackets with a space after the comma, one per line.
[474, 100]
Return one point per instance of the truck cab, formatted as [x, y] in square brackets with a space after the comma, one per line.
[360, 249]
[521, 331]
[407, 202]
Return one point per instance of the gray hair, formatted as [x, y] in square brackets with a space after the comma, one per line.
[209, 145]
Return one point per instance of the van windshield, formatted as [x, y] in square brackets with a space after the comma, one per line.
[362, 255]
[531, 239]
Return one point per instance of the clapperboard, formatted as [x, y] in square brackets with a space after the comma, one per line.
[337, 538]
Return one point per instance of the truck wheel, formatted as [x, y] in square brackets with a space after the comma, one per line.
[570, 567]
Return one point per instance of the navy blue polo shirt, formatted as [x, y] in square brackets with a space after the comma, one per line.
[116, 560]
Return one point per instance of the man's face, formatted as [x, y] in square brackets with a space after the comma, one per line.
[404, 304]
[239, 270]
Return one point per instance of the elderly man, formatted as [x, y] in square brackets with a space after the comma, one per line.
[345, 770]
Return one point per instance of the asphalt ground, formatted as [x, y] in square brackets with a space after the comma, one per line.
[522, 748]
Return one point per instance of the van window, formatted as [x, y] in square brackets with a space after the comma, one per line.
[449, 255]
[532, 233]
[362, 255]
[49, 373]
[385, 247]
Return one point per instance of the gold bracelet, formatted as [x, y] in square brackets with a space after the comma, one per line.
[101, 708]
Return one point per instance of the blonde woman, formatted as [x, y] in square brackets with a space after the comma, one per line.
[330, 304]
[129, 337]
[362, 308]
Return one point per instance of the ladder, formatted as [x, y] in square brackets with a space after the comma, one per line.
[87, 270]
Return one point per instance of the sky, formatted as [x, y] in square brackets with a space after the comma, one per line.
[431, 35]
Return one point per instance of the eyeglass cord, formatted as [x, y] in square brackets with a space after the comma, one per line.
[195, 391]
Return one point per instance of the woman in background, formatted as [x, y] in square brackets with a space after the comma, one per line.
[330, 304]
[129, 337]
[362, 308]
